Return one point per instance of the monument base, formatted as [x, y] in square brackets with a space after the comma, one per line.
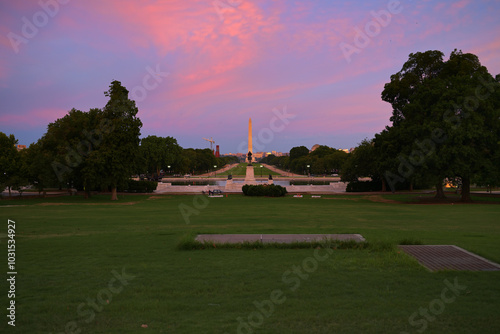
[250, 177]
[232, 187]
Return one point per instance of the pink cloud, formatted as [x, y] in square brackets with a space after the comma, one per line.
[460, 4]
[488, 54]
[32, 118]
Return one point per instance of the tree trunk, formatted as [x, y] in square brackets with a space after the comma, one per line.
[411, 186]
[86, 190]
[384, 184]
[466, 189]
[9, 192]
[114, 195]
[439, 190]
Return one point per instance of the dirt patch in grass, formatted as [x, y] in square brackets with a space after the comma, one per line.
[371, 198]
[158, 197]
[60, 235]
[380, 199]
[60, 204]
[344, 198]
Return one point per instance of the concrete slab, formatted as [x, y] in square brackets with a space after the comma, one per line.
[448, 257]
[279, 238]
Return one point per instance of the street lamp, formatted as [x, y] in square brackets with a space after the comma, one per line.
[168, 169]
[308, 170]
[215, 170]
[261, 170]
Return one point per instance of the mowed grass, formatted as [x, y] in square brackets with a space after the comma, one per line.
[241, 169]
[68, 256]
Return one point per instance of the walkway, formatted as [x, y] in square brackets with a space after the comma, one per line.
[282, 172]
[222, 170]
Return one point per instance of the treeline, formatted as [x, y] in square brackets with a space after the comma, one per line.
[157, 154]
[98, 150]
[323, 160]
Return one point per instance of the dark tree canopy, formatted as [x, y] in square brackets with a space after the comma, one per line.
[445, 120]
[119, 150]
[298, 152]
[10, 162]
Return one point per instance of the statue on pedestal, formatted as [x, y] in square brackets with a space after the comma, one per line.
[249, 158]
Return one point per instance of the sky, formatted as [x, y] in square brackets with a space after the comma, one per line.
[306, 72]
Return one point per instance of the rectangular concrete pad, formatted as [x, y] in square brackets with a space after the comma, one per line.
[279, 238]
[448, 257]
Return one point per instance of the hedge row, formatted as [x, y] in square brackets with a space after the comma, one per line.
[270, 190]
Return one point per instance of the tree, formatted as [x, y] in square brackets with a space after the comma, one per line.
[335, 160]
[9, 162]
[159, 152]
[118, 151]
[38, 166]
[471, 116]
[269, 159]
[444, 118]
[322, 151]
[298, 152]
[66, 144]
[360, 163]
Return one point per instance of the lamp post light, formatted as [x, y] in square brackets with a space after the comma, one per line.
[168, 169]
[215, 171]
[261, 170]
[308, 170]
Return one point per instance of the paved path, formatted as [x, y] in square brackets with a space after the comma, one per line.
[282, 172]
[228, 167]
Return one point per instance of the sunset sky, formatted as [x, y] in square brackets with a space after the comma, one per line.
[203, 68]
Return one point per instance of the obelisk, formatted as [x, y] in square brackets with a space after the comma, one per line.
[250, 177]
[250, 149]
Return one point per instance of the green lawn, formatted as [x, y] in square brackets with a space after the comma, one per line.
[69, 256]
[241, 169]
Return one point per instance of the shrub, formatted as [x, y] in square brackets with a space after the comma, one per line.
[270, 190]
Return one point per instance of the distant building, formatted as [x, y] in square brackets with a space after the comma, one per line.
[258, 155]
[314, 148]
[20, 147]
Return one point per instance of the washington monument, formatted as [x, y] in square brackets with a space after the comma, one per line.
[250, 149]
